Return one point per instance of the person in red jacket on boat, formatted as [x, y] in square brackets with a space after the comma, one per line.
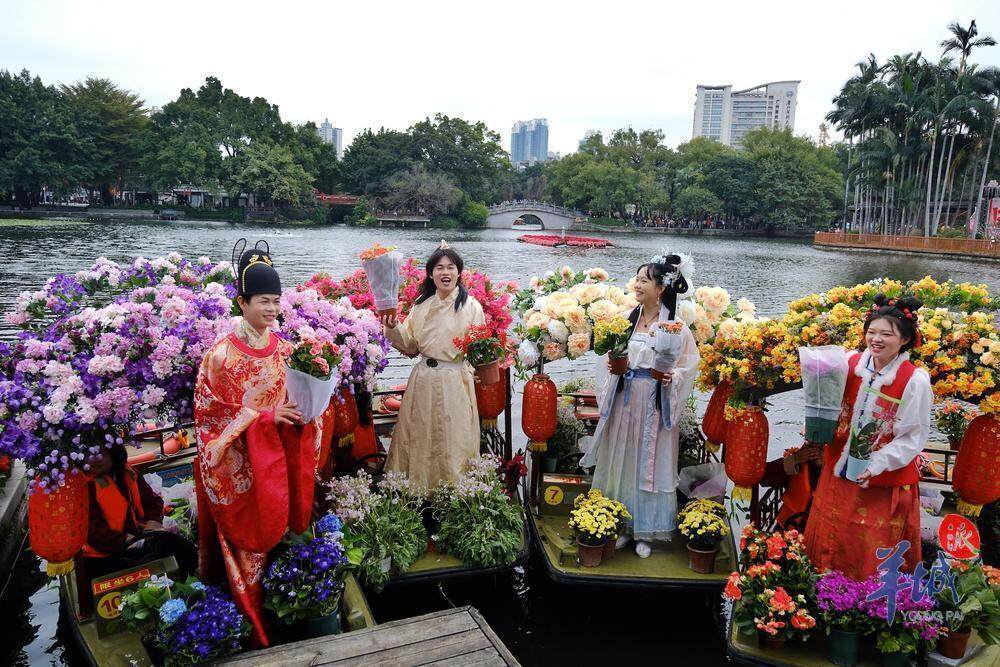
[247, 439]
[797, 474]
[887, 404]
[123, 509]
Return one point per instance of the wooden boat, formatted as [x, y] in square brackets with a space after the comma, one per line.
[433, 566]
[126, 648]
[745, 650]
[939, 461]
[666, 568]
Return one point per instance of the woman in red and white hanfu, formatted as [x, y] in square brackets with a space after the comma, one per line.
[888, 399]
[255, 468]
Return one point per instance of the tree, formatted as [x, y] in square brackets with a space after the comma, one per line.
[270, 172]
[473, 214]
[416, 190]
[469, 154]
[317, 157]
[732, 178]
[44, 139]
[374, 157]
[696, 203]
[120, 118]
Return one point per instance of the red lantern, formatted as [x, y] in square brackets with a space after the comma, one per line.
[714, 423]
[58, 521]
[538, 411]
[491, 399]
[746, 450]
[346, 419]
[976, 478]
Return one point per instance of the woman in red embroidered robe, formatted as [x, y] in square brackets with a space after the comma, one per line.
[890, 399]
[246, 436]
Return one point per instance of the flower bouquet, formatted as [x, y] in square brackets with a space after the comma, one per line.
[189, 623]
[703, 522]
[824, 377]
[304, 583]
[381, 265]
[485, 350]
[667, 341]
[312, 376]
[611, 338]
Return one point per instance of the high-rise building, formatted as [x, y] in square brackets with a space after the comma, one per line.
[529, 141]
[726, 115]
[332, 135]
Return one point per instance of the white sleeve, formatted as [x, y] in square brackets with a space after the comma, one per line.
[685, 374]
[911, 429]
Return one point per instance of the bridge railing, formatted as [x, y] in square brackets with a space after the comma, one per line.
[527, 205]
[977, 247]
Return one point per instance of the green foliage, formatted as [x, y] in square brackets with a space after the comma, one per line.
[951, 233]
[468, 154]
[391, 536]
[697, 203]
[569, 430]
[140, 608]
[978, 604]
[418, 190]
[270, 172]
[445, 222]
[473, 215]
[359, 215]
[479, 523]
[44, 139]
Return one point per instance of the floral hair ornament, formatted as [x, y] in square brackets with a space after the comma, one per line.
[682, 267]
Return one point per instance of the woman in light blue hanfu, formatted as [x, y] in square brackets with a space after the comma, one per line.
[635, 445]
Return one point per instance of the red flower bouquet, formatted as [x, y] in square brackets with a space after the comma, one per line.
[485, 350]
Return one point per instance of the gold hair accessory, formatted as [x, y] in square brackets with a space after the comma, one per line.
[444, 245]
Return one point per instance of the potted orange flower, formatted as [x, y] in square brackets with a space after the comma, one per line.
[485, 350]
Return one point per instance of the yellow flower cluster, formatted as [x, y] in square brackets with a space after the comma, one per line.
[960, 349]
[615, 326]
[596, 517]
[699, 525]
[703, 505]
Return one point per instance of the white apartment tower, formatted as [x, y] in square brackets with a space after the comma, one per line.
[726, 115]
[332, 135]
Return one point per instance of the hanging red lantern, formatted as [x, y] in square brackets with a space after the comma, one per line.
[346, 419]
[976, 478]
[713, 425]
[746, 450]
[538, 411]
[58, 521]
[491, 399]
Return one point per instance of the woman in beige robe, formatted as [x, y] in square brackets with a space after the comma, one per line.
[438, 427]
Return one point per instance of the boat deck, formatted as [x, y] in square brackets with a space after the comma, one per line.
[745, 650]
[667, 567]
[451, 637]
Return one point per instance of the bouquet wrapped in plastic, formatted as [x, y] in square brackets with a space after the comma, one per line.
[381, 266]
[312, 376]
[667, 343]
[824, 377]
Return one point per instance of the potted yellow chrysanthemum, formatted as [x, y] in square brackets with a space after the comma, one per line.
[597, 521]
[611, 338]
[703, 522]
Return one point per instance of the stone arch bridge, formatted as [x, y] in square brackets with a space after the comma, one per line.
[549, 216]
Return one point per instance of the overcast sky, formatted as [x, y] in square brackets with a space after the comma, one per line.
[582, 65]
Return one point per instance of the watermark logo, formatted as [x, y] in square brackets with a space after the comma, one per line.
[926, 583]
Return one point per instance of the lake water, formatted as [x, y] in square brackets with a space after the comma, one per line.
[541, 622]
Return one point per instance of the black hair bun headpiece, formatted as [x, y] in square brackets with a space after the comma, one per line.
[255, 272]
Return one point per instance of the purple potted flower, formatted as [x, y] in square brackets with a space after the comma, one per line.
[304, 583]
[915, 625]
[210, 629]
[840, 600]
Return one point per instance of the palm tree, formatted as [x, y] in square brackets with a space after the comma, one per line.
[964, 40]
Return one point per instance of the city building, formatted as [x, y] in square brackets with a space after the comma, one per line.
[725, 115]
[529, 141]
[332, 135]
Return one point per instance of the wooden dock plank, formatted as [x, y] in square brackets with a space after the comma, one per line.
[451, 637]
[427, 652]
